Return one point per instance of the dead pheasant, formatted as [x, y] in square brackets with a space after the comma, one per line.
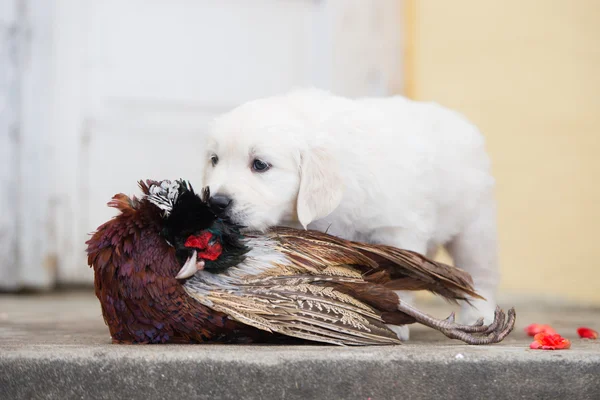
[168, 270]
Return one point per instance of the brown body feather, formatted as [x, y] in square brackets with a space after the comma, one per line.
[134, 277]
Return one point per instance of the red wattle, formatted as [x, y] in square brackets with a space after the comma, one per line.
[212, 252]
[199, 242]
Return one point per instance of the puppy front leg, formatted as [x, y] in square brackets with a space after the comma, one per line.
[401, 239]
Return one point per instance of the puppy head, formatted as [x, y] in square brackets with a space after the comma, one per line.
[272, 167]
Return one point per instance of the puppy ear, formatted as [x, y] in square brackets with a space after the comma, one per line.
[321, 186]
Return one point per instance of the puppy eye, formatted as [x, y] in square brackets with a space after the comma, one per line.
[214, 159]
[260, 165]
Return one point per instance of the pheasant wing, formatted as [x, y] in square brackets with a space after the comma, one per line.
[300, 308]
[395, 268]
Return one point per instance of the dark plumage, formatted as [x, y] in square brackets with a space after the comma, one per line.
[284, 284]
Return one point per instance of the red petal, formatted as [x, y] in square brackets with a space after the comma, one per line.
[546, 341]
[534, 329]
[535, 345]
[587, 333]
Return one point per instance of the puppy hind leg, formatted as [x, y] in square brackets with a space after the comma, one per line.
[474, 249]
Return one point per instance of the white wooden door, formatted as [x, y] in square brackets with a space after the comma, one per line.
[130, 85]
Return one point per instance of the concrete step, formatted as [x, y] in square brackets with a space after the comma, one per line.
[57, 347]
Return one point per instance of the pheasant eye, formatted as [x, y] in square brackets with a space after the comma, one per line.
[260, 165]
[214, 160]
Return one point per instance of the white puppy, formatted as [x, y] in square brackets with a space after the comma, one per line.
[393, 171]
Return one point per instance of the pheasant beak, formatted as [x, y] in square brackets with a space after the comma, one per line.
[191, 266]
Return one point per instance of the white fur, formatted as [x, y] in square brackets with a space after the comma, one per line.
[394, 171]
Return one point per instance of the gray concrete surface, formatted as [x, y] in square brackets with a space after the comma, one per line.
[57, 346]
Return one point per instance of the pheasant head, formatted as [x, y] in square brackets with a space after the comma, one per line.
[202, 240]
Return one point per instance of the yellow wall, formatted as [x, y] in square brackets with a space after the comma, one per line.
[528, 73]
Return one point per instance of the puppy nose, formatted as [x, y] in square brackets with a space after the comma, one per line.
[219, 203]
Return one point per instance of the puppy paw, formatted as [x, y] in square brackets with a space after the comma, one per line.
[480, 308]
[402, 331]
